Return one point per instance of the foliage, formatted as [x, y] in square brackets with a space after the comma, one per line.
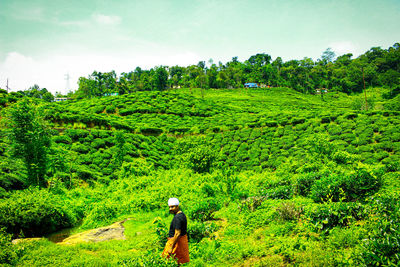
[151, 259]
[282, 178]
[328, 215]
[30, 140]
[351, 187]
[203, 210]
[382, 245]
[377, 67]
[199, 230]
[34, 212]
[200, 159]
[7, 253]
[289, 211]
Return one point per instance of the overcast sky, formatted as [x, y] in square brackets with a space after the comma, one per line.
[42, 40]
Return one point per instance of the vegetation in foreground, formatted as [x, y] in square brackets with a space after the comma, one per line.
[280, 181]
[267, 177]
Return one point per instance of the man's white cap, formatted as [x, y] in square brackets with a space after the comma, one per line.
[173, 201]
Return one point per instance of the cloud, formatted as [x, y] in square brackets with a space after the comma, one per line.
[344, 47]
[18, 69]
[31, 13]
[49, 71]
[106, 20]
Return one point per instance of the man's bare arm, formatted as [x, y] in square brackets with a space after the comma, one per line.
[175, 239]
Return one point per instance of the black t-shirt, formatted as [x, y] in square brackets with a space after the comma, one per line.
[179, 222]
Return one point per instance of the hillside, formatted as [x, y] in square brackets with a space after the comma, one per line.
[267, 177]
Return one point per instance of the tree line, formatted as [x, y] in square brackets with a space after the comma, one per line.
[376, 67]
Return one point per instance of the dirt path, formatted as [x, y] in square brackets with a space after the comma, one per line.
[111, 232]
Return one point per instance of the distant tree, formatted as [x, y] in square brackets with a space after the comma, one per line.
[48, 97]
[30, 140]
[160, 78]
[201, 65]
[327, 56]
[260, 59]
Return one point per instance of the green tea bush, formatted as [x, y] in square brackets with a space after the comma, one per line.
[8, 255]
[85, 173]
[350, 187]
[361, 183]
[304, 182]
[342, 157]
[279, 192]
[80, 148]
[34, 212]
[200, 159]
[151, 258]
[333, 214]
[98, 143]
[76, 134]
[138, 167]
[110, 109]
[382, 247]
[63, 139]
[203, 210]
[392, 163]
[199, 230]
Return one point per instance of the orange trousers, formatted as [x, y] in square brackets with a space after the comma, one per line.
[180, 251]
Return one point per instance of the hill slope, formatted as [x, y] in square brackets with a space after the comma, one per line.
[266, 177]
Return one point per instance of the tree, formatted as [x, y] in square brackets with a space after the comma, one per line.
[327, 56]
[30, 140]
[120, 148]
[160, 78]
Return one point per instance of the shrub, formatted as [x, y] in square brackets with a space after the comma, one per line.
[85, 173]
[279, 192]
[361, 183]
[198, 230]
[101, 213]
[350, 187]
[81, 148]
[342, 157]
[76, 134]
[251, 203]
[288, 211]
[64, 139]
[391, 163]
[34, 212]
[110, 109]
[98, 143]
[138, 167]
[7, 253]
[302, 185]
[200, 159]
[271, 123]
[151, 258]
[203, 210]
[382, 247]
[329, 215]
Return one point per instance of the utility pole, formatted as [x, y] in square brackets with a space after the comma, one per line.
[7, 86]
[365, 93]
[67, 77]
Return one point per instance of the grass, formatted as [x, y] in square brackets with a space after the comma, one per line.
[270, 147]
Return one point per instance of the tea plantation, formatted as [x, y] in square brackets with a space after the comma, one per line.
[267, 177]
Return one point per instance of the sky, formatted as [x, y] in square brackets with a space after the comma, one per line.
[43, 40]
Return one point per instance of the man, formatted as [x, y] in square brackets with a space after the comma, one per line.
[177, 244]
